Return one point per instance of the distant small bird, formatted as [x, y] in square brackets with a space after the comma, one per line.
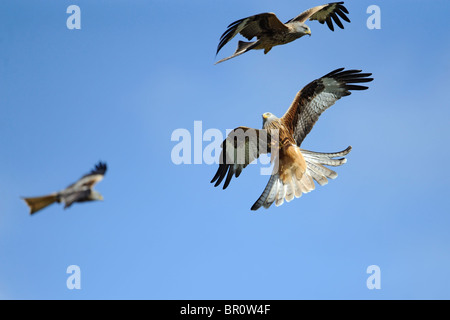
[271, 32]
[80, 191]
[294, 169]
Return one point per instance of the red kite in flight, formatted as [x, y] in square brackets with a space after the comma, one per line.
[295, 169]
[270, 31]
[80, 191]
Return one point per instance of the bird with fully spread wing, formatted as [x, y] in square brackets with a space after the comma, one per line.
[270, 31]
[80, 191]
[294, 169]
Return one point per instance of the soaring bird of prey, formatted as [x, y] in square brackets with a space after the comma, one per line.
[80, 191]
[270, 32]
[294, 168]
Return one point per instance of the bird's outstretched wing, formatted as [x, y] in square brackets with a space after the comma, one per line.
[252, 26]
[93, 177]
[319, 95]
[325, 13]
[240, 148]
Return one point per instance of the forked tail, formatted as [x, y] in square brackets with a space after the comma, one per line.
[277, 191]
[243, 47]
[38, 203]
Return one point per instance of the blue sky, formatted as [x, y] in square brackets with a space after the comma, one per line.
[136, 71]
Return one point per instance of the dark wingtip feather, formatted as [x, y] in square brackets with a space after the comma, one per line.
[100, 168]
[333, 72]
[220, 174]
[339, 12]
[227, 35]
[342, 15]
[355, 87]
[216, 176]
[229, 176]
[348, 78]
[337, 21]
[255, 206]
[329, 24]
[341, 7]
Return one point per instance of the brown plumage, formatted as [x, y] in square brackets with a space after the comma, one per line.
[270, 31]
[295, 169]
[80, 191]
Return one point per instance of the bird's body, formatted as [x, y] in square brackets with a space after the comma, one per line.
[270, 31]
[287, 148]
[269, 40]
[80, 191]
[295, 30]
[295, 169]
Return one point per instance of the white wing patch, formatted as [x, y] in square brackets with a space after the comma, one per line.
[323, 12]
[332, 92]
[89, 180]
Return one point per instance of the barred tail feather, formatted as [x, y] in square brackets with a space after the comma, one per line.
[316, 160]
[269, 193]
[277, 191]
[326, 156]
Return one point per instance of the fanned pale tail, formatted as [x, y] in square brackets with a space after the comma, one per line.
[316, 161]
[243, 47]
[39, 203]
[277, 190]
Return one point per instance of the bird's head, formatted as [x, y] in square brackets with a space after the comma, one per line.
[95, 195]
[307, 30]
[302, 28]
[268, 118]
